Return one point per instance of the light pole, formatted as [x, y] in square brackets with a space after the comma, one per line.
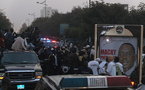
[45, 5]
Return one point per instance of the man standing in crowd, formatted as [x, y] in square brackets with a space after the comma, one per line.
[19, 44]
[92, 52]
[111, 68]
[2, 41]
[94, 65]
[119, 67]
[103, 66]
[9, 38]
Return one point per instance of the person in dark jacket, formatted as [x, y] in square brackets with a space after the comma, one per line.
[74, 62]
[9, 38]
[85, 69]
[2, 41]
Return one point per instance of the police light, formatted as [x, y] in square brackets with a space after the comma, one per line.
[73, 83]
[48, 41]
[44, 38]
[53, 41]
[41, 39]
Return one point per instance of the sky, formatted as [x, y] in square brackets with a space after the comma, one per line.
[18, 10]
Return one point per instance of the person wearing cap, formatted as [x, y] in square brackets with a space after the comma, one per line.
[94, 65]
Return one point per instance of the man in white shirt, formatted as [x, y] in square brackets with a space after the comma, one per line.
[111, 68]
[102, 67]
[94, 65]
[19, 44]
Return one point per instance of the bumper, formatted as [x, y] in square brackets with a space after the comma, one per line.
[28, 83]
[24, 81]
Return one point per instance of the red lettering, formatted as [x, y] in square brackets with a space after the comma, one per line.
[108, 52]
[103, 57]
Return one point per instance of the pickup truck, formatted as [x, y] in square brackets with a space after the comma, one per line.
[19, 69]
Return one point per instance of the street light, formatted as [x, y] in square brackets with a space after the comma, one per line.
[43, 3]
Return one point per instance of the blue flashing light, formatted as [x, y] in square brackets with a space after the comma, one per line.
[74, 82]
[48, 41]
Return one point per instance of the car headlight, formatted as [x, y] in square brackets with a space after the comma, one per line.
[38, 75]
[2, 76]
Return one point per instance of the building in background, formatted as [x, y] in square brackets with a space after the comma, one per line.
[49, 12]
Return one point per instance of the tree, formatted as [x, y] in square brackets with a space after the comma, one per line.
[4, 22]
[23, 28]
[82, 20]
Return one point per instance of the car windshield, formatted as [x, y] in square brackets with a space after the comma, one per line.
[20, 58]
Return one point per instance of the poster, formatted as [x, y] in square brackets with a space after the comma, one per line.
[123, 47]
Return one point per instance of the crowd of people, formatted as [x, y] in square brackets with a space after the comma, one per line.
[65, 59]
[9, 40]
[71, 59]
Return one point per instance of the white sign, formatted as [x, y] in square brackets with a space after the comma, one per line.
[111, 45]
[123, 47]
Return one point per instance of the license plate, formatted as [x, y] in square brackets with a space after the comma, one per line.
[20, 86]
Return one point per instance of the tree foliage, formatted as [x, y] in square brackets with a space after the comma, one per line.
[4, 22]
[23, 28]
[82, 20]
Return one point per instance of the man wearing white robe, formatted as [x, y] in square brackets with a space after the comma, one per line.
[94, 65]
[19, 44]
[102, 67]
[111, 67]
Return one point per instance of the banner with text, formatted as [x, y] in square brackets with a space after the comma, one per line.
[114, 45]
